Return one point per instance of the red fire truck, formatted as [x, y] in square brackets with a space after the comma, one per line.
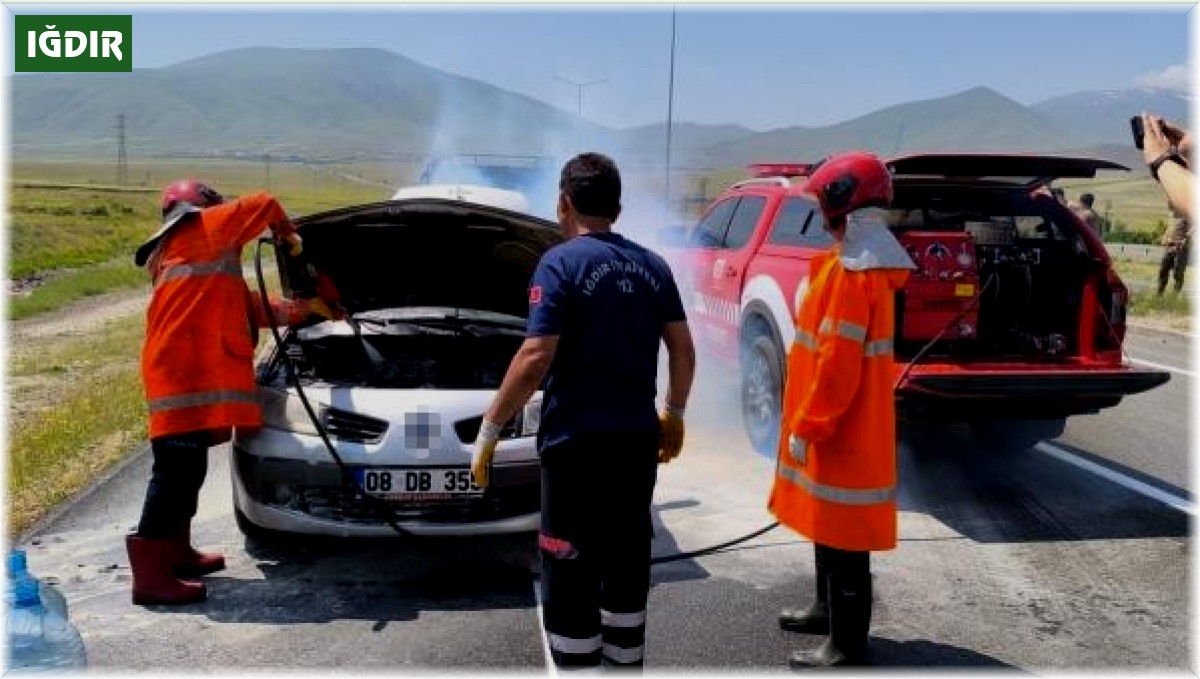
[1013, 320]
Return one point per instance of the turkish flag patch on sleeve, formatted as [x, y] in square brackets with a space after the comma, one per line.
[535, 294]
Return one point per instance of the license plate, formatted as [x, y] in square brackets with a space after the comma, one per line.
[418, 484]
[964, 290]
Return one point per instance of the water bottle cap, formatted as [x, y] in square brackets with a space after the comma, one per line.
[26, 592]
[17, 564]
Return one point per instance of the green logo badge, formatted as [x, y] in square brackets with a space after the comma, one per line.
[69, 43]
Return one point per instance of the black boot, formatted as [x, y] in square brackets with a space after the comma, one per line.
[849, 622]
[815, 618]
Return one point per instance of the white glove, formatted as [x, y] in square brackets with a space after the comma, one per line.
[799, 449]
[485, 449]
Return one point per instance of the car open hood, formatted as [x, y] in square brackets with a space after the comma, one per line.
[1027, 171]
[424, 252]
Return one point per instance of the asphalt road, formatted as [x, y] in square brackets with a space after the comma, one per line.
[1023, 560]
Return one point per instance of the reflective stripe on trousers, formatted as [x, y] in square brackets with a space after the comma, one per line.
[838, 495]
[573, 646]
[624, 637]
[201, 398]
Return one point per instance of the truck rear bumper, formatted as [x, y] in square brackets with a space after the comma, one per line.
[960, 395]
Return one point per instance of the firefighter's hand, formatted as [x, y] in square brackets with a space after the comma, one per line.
[295, 244]
[484, 451]
[319, 307]
[670, 437]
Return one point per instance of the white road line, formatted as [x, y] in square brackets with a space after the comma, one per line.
[1133, 484]
[537, 597]
[1151, 364]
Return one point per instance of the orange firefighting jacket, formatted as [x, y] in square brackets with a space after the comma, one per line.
[197, 358]
[835, 480]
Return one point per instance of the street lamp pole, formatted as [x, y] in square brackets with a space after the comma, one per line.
[670, 111]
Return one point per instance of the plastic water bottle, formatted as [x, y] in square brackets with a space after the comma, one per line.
[18, 569]
[40, 640]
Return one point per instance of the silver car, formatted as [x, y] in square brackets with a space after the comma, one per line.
[437, 292]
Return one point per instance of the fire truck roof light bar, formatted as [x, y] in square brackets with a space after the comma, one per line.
[764, 181]
[762, 170]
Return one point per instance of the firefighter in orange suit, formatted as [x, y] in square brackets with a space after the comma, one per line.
[197, 369]
[835, 480]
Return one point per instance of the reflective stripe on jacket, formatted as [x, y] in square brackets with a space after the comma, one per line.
[197, 359]
[835, 479]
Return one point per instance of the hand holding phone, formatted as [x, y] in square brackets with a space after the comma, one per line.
[1139, 132]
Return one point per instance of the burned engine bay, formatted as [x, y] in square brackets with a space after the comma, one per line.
[408, 348]
[998, 276]
[437, 292]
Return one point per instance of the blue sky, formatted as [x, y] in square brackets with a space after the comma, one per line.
[761, 68]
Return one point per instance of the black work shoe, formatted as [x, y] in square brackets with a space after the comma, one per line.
[812, 620]
[827, 655]
[849, 597]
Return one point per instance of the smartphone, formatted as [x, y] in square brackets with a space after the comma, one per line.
[1139, 133]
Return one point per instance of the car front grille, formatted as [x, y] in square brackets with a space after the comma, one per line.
[349, 426]
[344, 505]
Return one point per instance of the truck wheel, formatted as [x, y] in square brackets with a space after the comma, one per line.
[1013, 436]
[762, 394]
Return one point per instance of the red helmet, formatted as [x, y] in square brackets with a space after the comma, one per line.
[191, 191]
[850, 181]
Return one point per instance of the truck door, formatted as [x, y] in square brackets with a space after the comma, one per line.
[727, 272]
[797, 236]
[694, 284]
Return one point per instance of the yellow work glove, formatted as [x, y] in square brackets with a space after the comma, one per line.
[485, 450]
[670, 437]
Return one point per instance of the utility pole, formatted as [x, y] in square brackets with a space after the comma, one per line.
[122, 166]
[670, 111]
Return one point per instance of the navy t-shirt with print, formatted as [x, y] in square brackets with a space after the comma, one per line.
[607, 298]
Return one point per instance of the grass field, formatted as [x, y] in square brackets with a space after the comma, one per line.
[76, 407]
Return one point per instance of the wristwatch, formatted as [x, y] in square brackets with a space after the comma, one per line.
[1172, 154]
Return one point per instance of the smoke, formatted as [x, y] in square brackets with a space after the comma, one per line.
[537, 146]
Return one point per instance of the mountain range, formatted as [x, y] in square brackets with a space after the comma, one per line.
[371, 104]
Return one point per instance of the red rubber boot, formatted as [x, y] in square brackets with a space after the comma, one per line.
[154, 582]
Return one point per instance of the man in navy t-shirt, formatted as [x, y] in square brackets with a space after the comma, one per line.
[599, 305]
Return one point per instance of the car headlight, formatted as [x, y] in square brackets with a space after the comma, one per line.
[284, 410]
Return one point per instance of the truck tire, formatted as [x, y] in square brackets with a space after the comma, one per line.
[1014, 436]
[762, 393]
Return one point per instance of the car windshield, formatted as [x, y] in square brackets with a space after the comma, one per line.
[519, 174]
